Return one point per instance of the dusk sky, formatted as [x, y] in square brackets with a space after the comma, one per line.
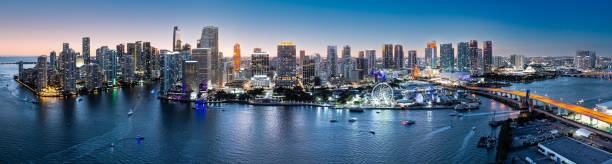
[551, 28]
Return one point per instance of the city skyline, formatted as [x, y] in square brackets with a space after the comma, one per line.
[534, 31]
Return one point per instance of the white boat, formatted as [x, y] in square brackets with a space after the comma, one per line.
[581, 101]
[131, 112]
[467, 106]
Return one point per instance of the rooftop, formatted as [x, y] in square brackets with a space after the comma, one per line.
[577, 152]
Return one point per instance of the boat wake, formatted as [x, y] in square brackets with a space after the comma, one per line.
[466, 139]
[430, 134]
[89, 146]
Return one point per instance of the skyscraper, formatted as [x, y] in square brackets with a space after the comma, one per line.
[308, 75]
[53, 60]
[86, 51]
[517, 61]
[474, 57]
[362, 65]
[431, 54]
[371, 57]
[332, 61]
[447, 57]
[346, 62]
[302, 56]
[176, 39]
[387, 53]
[203, 56]
[190, 80]
[236, 57]
[110, 67]
[398, 56]
[463, 56]
[210, 39]
[412, 59]
[41, 68]
[286, 71]
[487, 56]
[147, 61]
[69, 73]
[260, 65]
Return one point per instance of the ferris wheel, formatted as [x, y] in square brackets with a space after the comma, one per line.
[382, 94]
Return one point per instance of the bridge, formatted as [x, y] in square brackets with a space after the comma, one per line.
[575, 108]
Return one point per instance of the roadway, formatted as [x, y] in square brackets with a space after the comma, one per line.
[575, 108]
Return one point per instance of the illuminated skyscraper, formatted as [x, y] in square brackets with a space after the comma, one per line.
[210, 39]
[309, 74]
[236, 57]
[387, 53]
[412, 59]
[398, 56]
[190, 78]
[41, 68]
[371, 59]
[204, 58]
[86, 51]
[147, 53]
[362, 65]
[53, 60]
[447, 57]
[332, 61]
[431, 54]
[463, 56]
[287, 68]
[474, 57]
[346, 62]
[487, 56]
[260, 65]
[68, 70]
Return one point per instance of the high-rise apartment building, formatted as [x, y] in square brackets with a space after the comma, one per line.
[204, 69]
[260, 65]
[474, 57]
[398, 56]
[286, 73]
[68, 69]
[387, 53]
[41, 68]
[447, 57]
[236, 57]
[517, 61]
[412, 59]
[371, 59]
[332, 61]
[463, 56]
[487, 56]
[431, 54]
[86, 52]
[210, 39]
[346, 62]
